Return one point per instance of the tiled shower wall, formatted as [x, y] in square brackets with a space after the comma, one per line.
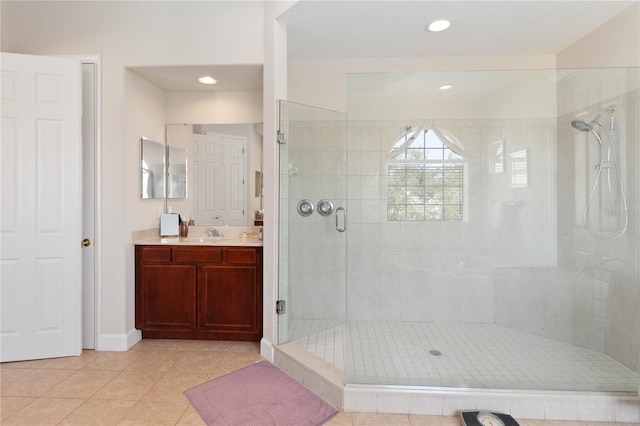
[311, 259]
[317, 251]
[609, 270]
[444, 271]
[424, 271]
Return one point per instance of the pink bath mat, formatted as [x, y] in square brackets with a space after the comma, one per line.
[260, 394]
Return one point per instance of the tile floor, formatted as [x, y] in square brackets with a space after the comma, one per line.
[455, 354]
[144, 385]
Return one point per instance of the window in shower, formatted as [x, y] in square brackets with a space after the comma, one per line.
[425, 178]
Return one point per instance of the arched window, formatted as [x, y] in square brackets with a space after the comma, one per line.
[425, 177]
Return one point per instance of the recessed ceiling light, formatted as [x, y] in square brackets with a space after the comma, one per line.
[207, 79]
[439, 25]
[445, 87]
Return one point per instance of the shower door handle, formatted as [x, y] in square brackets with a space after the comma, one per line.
[344, 219]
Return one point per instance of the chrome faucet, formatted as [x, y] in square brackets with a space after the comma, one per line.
[213, 232]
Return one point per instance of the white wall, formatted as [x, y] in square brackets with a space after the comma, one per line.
[131, 34]
[613, 44]
[331, 94]
[144, 112]
[214, 107]
[475, 95]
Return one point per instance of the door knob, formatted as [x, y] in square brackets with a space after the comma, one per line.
[86, 242]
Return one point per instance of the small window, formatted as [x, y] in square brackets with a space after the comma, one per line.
[425, 178]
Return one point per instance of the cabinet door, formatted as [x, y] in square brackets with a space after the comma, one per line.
[168, 297]
[229, 299]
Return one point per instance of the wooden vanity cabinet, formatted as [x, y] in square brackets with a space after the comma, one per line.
[199, 292]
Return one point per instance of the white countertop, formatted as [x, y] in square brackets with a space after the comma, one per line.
[198, 236]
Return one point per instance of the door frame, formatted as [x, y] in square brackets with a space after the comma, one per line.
[95, 284]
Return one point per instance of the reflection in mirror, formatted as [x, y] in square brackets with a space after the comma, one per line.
[259, 185]
[177, 173]
[153, 168]
[222, 160]
[519, 167]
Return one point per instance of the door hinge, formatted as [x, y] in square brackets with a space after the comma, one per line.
[280, 137]
[281, 307]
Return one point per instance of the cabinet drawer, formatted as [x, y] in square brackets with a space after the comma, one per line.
[197, 254]
[155, 254]
[241, 255]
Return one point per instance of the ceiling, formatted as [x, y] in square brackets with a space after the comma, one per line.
[371, 29]
[345, 29]
[185, 78]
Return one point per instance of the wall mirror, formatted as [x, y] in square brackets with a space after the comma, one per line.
[220, 164]
[152, 180]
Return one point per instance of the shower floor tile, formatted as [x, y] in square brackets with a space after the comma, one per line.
[459, 355]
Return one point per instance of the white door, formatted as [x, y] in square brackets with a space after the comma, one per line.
[41, 222]
[218, 165]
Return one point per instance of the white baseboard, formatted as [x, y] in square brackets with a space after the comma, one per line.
[118, 342]
[266, 349]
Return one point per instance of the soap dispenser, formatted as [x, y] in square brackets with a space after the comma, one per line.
[184, 228]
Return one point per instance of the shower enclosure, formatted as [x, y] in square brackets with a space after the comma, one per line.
[476, 239]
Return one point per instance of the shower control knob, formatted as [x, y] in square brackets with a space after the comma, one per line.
[305, 208]
[325, 207]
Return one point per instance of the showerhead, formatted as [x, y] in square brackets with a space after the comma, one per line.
[583, 126]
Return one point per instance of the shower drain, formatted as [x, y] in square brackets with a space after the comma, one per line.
[435, 352]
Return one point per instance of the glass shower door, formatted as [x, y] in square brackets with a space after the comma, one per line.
[312, 228]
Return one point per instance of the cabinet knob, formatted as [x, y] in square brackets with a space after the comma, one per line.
[86, 242]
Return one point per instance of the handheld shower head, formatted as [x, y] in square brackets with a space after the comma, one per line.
[584, 126]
